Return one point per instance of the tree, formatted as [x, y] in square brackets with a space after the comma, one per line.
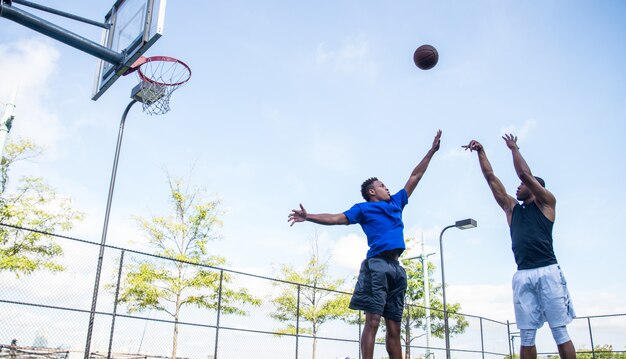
[168, 286]
[33, 205]
[413, 324]
[599, 352]
[319, 300]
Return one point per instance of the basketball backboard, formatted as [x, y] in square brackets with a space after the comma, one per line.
[135, 25]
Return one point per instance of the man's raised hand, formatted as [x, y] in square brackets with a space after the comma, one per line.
[511, 141]
[473, 146]
[436, 141]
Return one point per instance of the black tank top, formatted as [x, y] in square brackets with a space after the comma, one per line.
[531, 237]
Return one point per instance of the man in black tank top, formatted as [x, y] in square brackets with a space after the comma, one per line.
[539, 289]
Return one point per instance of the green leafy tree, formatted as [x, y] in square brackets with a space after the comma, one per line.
[319, 301]
[34, 205]
[168, 286]
[600, 352]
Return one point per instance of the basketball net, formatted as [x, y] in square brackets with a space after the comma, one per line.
[159, 77]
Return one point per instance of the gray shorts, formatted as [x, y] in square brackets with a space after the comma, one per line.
[540, 295]
[380, 288]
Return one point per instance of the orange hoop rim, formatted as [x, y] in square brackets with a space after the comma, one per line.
[144, 60]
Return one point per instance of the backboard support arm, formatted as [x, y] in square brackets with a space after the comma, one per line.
[62, 13]
[58, 33]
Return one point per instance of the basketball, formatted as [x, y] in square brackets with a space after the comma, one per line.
[425, 57]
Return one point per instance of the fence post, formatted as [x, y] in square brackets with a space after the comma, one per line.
[508, 338]
[593, 349]
[219, 308]
[117, 295]
[482, 341]
[407, 350]
[297, 321]
[359, 321]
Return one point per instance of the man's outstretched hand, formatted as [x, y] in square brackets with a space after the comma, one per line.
[473, 146]
[297, 215]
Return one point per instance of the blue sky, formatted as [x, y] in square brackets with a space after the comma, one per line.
[299, 103]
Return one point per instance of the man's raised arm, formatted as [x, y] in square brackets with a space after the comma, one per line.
[301, 215]
[543, 197]
[506, 202]
[420, 169]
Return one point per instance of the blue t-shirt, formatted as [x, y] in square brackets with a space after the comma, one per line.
[382, 222]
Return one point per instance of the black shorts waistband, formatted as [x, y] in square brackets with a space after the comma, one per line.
[393, 254]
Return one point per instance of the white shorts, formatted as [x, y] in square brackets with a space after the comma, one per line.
[540, 295]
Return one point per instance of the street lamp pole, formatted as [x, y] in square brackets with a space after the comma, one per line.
[6, 122]
[462, 224]
[426, 296]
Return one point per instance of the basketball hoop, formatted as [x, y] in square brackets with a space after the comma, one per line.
[159, 77]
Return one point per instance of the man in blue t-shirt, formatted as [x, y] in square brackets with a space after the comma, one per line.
[539, 289]
[382, 283]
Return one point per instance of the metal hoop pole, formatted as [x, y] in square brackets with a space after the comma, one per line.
[107, 212]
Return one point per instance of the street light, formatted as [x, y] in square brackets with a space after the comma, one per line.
[462, 224]
[424, 260]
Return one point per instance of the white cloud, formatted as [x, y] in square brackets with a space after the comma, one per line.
[349, 251]
[490, 301]
[596, 302]
[521, 131]
[414, 248]
[29, 65]
[456, 152]
[351, 59]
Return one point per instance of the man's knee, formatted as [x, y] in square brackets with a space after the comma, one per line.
[393, 329]
[560, 335]
[372, 320]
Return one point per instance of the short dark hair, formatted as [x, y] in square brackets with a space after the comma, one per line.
[365, 187]
[541, 181]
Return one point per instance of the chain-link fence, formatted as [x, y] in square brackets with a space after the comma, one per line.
[235, 315]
